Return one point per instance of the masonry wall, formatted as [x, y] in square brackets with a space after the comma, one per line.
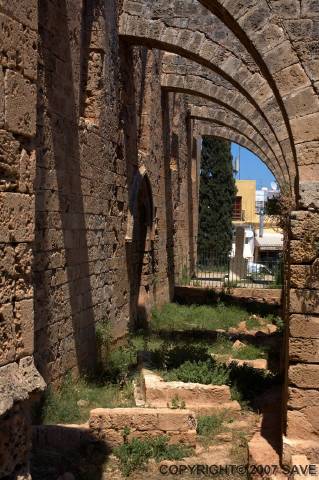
[301, 433]
[99, 121]
[18, 376]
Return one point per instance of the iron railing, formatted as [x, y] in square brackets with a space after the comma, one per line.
[227, 272]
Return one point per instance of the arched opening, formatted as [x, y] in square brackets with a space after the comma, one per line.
[140, 249]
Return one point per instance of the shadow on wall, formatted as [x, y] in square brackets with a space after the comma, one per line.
[140, 250]
[64, 318]
[59, 450]
[139, 247]
[168, 193]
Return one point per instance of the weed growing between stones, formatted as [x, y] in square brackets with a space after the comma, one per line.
[177, 403]
[74, 400]
[134, 455]
[208, 426]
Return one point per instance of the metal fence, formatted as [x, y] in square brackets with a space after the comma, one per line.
[212, 271]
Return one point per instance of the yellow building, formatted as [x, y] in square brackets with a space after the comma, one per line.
[244, 214]
[244, 211]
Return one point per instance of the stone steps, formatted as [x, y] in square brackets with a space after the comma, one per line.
[200, 398]
[258, 363]
[113, 425]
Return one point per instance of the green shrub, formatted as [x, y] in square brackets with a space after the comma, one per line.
[248, 382]
[119, 365]
[279, 322]
[205, 372]
[179, 354]
[177, 403]
[135, 454]
[103, 333]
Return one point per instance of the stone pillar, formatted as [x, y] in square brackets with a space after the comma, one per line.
[302, 428]
[237, 263]
[18, 106]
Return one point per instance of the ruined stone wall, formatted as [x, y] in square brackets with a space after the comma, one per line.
[18, 377]
[80, 271]
[301, 434]
[179, 181]
[99, 122]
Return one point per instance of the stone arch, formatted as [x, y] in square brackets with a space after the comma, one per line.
[184, 76]
[140, 247]
[211, 129]
[282, 39]
[225, 118]
[157, 27]
[141, 185]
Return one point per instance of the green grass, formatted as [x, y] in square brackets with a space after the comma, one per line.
[146, 342]
[181, 317]
[62, 406]
[208, 426]
[249, 352]
[134, 455]
[253, 323]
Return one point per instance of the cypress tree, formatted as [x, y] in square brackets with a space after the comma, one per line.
[216, 197]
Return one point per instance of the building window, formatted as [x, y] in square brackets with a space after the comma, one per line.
[237, 209]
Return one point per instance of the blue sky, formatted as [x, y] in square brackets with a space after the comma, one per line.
[252, 168]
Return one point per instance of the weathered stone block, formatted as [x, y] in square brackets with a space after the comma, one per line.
[108, 424]
[305, 276]
[15, 440]
[281, 57]
[303, 251]
[304, 376]
[24, 327]
[16, 217]
[299, 427]
[304, 326]
[26, 171]
[25, 11]
[176, 420]
[301, 103]
[286, 8]
[7, 261]
[304, 225]
[304, 301]
[1, 98]
[299, 398]
[305, 129]
[304, 349]
[309, 194]
[291, 78]
[20, 104]
[18, 46]
[7, 334]
[309, 8]
[9, 159]
[308, 172]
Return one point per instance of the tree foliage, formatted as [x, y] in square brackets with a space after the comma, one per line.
[216, 197]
